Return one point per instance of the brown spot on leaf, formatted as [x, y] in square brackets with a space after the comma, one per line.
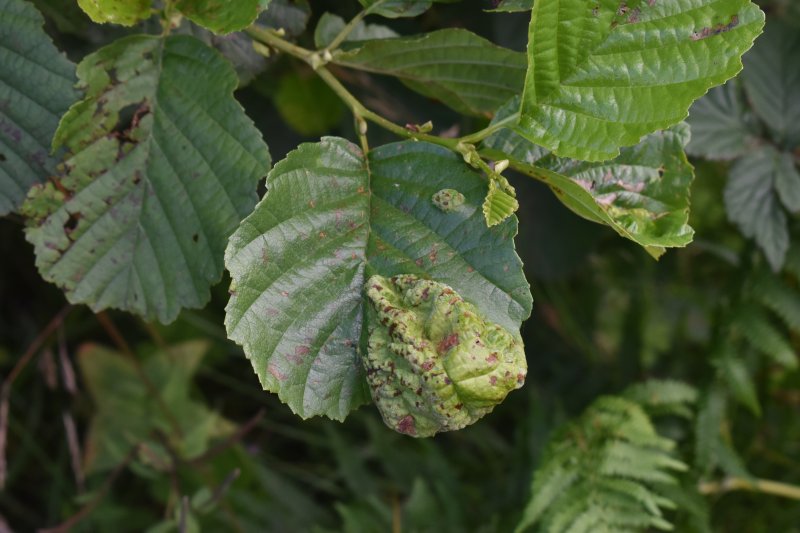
[272, 369]
[447, 343]
[493, 380]
[715, 30]
[406, 426]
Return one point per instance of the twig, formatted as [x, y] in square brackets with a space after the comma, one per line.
[765, 486]
[5, 391]
[89, 507]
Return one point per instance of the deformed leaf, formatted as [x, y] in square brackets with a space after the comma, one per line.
[643, 194]
[331, 219]
[433, 363]
[464, 71]
[601, 74]
[133, 404]
[124, 12]
[37, 89]
[162, 166]
[221, 16]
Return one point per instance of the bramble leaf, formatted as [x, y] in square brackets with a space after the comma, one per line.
[37, 89]
[162, 166]
[601, 74]
[753, 204]
[466, 72]
[722, 127]
[772, 81]
[331, 219]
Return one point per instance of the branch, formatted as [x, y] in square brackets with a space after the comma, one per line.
[317, 61]
[775, 488]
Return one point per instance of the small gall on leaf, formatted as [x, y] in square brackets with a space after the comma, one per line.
[448, 200]
[433, 363]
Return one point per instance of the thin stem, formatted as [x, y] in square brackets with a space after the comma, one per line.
[775, 488]
[346, 31]
[480, 135]
[273, 39]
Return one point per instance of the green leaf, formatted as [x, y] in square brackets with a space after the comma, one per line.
[659, 397]
[290, 15]
[499, 204]
[643, 194]
[599, 473]
[787, 182]
[604, 73]
[464, 71]
[331, 219]
[396, 8]
[736, 376]
[722, 127]
[37, 88]
[512, 6]
[753, 205]
[135, 400]
[307, 104]
[764, 336]
[124, 12]
[330, 25]
[163, 165]
[772, 80]
[221, 16]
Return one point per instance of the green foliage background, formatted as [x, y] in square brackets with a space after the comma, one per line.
[217, 453]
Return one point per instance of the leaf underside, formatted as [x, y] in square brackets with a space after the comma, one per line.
[331, 219]
[643, 194]
[162, 166]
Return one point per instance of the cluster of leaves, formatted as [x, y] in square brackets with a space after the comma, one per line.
[761, 138]
[151, 194]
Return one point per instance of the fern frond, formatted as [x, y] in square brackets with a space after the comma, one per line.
[663, 397]
[735, 374]
[784, 300]
[762, 335]
[599, 473]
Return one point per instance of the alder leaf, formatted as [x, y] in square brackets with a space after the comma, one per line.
[331, 219]
[124, 12]
[643, 194]
[464, 71]
[604, 73]
[330, 25]
[398, 8]
[162, 166]
[221, 16]
[37, 89]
